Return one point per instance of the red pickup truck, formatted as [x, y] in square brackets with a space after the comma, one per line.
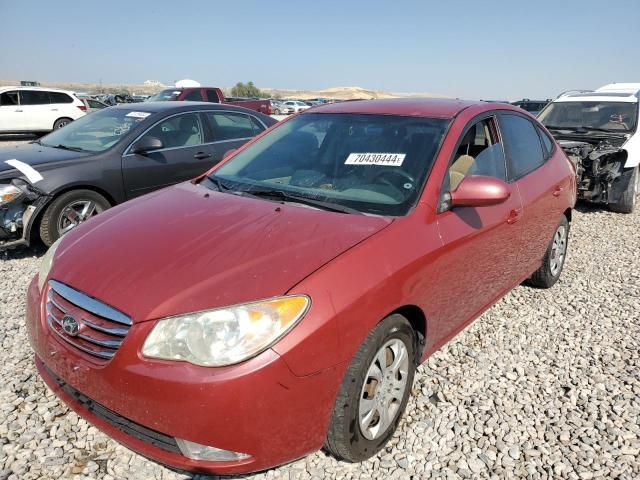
[209, 94]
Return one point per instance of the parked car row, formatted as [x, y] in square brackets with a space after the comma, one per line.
[246, 324]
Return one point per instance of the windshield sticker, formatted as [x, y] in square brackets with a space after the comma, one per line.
[137, 114]
[388, 159]
[27, 170]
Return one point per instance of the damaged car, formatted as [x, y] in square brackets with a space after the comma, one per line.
[598, 132]
[49, 186]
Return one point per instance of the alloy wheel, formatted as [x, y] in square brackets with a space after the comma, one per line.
[383, 389]
[75, 213]
[558, 250]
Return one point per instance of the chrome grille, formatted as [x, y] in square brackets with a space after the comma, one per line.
[101, 328]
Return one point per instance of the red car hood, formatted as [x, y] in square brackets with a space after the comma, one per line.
[178, 251]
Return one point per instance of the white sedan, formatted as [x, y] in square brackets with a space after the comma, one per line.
[294, 106]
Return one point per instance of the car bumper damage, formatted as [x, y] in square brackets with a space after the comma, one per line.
[600, 171]
[18, 214]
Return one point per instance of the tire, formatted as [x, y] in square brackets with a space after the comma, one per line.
[346, 439]
[61, 122]
[629, 197]
[276, 112]
[58, 217]
[549, 273]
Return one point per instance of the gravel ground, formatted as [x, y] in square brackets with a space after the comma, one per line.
[546, 384]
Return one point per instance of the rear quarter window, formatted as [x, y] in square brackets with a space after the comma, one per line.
[60, 97]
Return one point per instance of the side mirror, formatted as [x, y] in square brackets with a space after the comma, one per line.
[479, 191]
[147, 144]
[228, 153]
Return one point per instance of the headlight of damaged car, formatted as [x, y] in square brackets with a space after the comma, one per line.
[8, 193]
[225, 336]
[46, 263]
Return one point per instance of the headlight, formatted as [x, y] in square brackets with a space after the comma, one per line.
[8, 193]
[47, 262]
[225, 336]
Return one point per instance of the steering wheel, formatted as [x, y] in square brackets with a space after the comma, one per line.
[393, 172]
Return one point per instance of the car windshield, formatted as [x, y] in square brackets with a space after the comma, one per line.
[611, 116]
[163, 96]
[95, 132]
[373, 164]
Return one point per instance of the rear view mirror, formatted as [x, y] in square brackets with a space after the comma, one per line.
[147, 144]
[479, 191]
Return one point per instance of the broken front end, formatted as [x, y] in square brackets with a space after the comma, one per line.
[600, 171]
[20, 202]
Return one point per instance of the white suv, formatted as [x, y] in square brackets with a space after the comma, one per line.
[599, 132]
[34, 109]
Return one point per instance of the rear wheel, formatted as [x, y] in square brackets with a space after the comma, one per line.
[629, 197]
[68, 211]
[553, 263]
[61, 122]
[374, 392]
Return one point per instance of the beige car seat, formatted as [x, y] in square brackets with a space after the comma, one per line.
[459, 169]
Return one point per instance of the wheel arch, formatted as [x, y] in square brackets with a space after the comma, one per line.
[34, 226]
[568, 213]
[418, 320]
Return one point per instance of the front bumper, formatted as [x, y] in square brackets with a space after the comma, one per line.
[258, 407]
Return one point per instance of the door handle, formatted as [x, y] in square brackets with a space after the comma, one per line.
[558, 190]
[17, 110]
[514, 216]
[201, 155]
[54, 109]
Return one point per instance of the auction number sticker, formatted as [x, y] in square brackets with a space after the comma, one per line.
[137, 114]
[388, 159]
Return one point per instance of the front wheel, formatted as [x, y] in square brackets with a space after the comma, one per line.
[629, 197]
[68, 211]
[374, 392]
[553, 262]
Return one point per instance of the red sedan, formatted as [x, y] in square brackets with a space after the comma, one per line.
[282, 302]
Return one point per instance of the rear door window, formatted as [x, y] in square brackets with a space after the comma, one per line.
[34, 97]
[523, 145]
[230, 125]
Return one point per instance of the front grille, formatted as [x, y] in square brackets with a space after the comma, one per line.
[100, 328]
[133, 429]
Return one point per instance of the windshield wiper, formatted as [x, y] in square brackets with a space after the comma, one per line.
[304, 200]
[218, 183]
[66, 147]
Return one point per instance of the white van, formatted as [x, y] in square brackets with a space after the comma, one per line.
[35, 109]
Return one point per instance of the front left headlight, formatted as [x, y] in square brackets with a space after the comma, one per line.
[46, 263]
[224, 336]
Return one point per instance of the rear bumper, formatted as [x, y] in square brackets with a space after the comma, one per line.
[258, 407]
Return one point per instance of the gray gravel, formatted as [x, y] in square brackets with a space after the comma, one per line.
[546, 384]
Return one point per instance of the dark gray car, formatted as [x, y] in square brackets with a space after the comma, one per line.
[49, 186]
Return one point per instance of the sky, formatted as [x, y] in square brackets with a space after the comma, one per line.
[479, 49]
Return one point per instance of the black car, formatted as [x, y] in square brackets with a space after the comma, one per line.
[532, 106]
[49, 186]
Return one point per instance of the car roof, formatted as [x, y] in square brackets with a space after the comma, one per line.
[418, 107]
[602, 96]
[156, 107]
[45, 89]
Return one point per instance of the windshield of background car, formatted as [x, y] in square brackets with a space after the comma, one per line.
[371, 163]
[163, 96]
[614, 116]
[96, 132]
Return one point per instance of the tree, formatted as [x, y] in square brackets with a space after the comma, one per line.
[248, 90]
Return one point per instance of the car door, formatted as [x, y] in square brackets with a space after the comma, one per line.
[539, 181]
[481, 245]
[36, 110]
[183, 155]
[231, 130]
[11, 118]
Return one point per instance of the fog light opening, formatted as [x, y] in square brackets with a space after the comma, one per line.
[195, 451]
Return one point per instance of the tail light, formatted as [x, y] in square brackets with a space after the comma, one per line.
[82, 107]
